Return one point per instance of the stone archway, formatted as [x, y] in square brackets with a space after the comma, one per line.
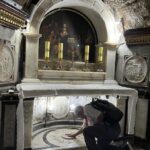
[96, 11]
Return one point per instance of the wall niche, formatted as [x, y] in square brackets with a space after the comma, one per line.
[68, 42]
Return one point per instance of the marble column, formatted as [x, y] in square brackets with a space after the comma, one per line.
[31, 61]
[28, 116]
[110, 63]
[121, 104]
[141, 118]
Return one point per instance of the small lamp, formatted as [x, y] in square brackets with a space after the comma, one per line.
[60, 55]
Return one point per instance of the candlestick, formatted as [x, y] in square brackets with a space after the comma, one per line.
[86, 56]
[47, 50]
[60, 55]
[47, 55]
[100, 54]
[60, 51]
[100, 51]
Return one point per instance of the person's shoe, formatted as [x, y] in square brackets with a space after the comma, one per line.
[127, 147]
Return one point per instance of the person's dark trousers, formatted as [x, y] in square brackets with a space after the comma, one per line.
[103, 132]
[112, 147]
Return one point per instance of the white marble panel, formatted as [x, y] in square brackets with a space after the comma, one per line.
[141, 118]
[39, 109]
[28, 114]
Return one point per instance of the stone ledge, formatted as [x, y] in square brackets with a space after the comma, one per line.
[71, 75]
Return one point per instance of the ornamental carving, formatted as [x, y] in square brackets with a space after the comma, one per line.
[59, 107]
[6, 62]
[135, 69]
[134, 40]
[140, 36]
[11, 17]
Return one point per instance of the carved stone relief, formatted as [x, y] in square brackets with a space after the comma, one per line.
[6, 62]
[135, 69]
[60, 107]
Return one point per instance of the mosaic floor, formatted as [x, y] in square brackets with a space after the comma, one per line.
[54, 138]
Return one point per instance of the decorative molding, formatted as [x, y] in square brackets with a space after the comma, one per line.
[71, 75]
[138, 39]
[110, 45]
[32, 35]
[11, 17]
[138, 36]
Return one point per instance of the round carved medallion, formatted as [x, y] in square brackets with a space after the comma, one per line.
[135, 69]
[59, 107]
[6, 63]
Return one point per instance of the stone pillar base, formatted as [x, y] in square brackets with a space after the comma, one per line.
[30, 80]
[110, 82]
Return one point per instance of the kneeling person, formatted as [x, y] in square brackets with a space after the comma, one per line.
[97, 130]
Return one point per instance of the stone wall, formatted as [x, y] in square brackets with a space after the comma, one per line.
[133, 13]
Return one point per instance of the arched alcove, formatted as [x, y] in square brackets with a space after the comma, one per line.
[71, 28]
[96, 11]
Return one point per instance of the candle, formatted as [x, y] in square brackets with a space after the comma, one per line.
[86, 56]
[47, 49]
[100, 54]
[60, 51]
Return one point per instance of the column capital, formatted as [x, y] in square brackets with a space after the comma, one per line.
[32, 35]
[110, 45]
